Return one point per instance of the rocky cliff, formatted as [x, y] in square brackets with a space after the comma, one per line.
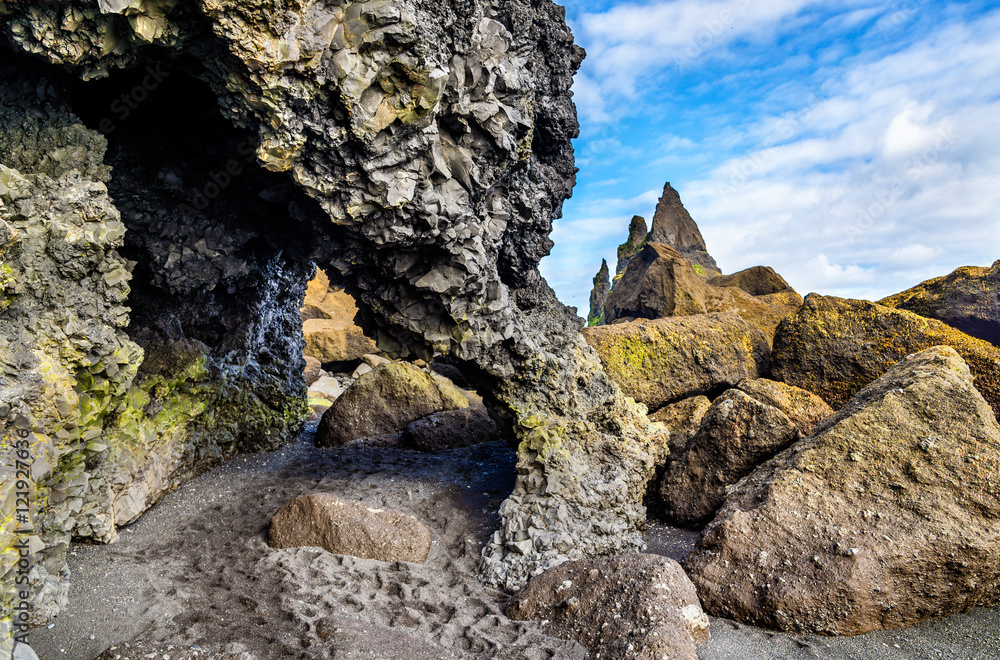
[418, 150]
[673, 225]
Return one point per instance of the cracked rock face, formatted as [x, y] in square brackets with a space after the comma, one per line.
[428, 148]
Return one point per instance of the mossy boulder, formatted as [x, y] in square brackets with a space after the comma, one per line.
[385, 401]
[662, 361]
[888, 515]
[834, 347]
[967, 299]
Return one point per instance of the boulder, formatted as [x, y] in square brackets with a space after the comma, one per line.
[313, 370]
[349, 528]
[673, 225]
[635, 606]
[384, 401]
[662, 361]
[737, 434]
[336, 340]
[834, 347]
[889, 514]
[682, 419]
[803, 408]
[757, 281]
[967, 299]
[451, 429]
[327, 387]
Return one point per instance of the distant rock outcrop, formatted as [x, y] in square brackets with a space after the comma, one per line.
[638, 234]
[599, 294]
[673, 225]
[757, 281]
[968, 299]
[834, 347]
[888, 515]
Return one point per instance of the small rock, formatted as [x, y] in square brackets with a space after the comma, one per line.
[327, 387]
[313, 370]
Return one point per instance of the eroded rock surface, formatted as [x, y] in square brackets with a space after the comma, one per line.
[633, 606]
[967, 299]
[673, 225]
[451, 429]
[349, 528]
[834, 347]
[888, 515]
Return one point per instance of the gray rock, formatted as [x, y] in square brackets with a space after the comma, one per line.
[451, 429]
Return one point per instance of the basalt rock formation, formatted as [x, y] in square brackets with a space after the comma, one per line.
[673, 225]
[967, 299]
[417, 150]
[637, 237]
[599, 295]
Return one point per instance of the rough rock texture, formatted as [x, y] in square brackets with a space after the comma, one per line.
[349, 528]
[737, 434]
[637, 235]
[418, 151]
[384, 401]
[967, 299]
[599, 295]
[682, 420]
[114, 420]
[313, 370]
[673, 225]
[451, 429]
[330, 340]
[633, 606]
[757, 281]
[888, 515]
[834, 347]
[804, 409]
[663, 361]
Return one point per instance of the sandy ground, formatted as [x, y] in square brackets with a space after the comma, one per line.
[194, 572]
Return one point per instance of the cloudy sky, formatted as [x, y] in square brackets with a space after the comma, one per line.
[854, 146]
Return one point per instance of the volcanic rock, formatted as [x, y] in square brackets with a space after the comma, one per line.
[673, 225]
[757, 281]
[967, 299]
[737, 434]
[682, 419]
[384, 401]
[637, 236]
[804, 409]
[632, 606]
[834, 347]
[599, 295]
[889, 514]
[451, 429]
[330, 340]
[313, 370]
[327, 387]
[349, 528]
[663, 361]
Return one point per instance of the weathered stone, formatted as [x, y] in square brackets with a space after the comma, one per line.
[834, 347]
[967, 299]
[327, 387]
[666, 360]
[386, 400]
[737, 434]
[637, 235]
[349, 528]
[673, 225]
[888, 515]
[599, 295]
[451, 429]
[803, 408]
[313, 370]
[330, 340]
[757, 281]
[631, 606]
[682, 419]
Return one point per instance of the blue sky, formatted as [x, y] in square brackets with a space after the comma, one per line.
[854, 146]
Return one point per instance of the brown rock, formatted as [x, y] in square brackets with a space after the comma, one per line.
[737, 434]
[673, 225]
[637, 606]
[682, 419]
[666, 360]
[349, 528]
[451, 429]
[313, 370]
[803, 408]
[967, 299]
[332, 340]
[757, 281]
[384, 401]
[834, 347]
[599, 295]
[887, 516]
